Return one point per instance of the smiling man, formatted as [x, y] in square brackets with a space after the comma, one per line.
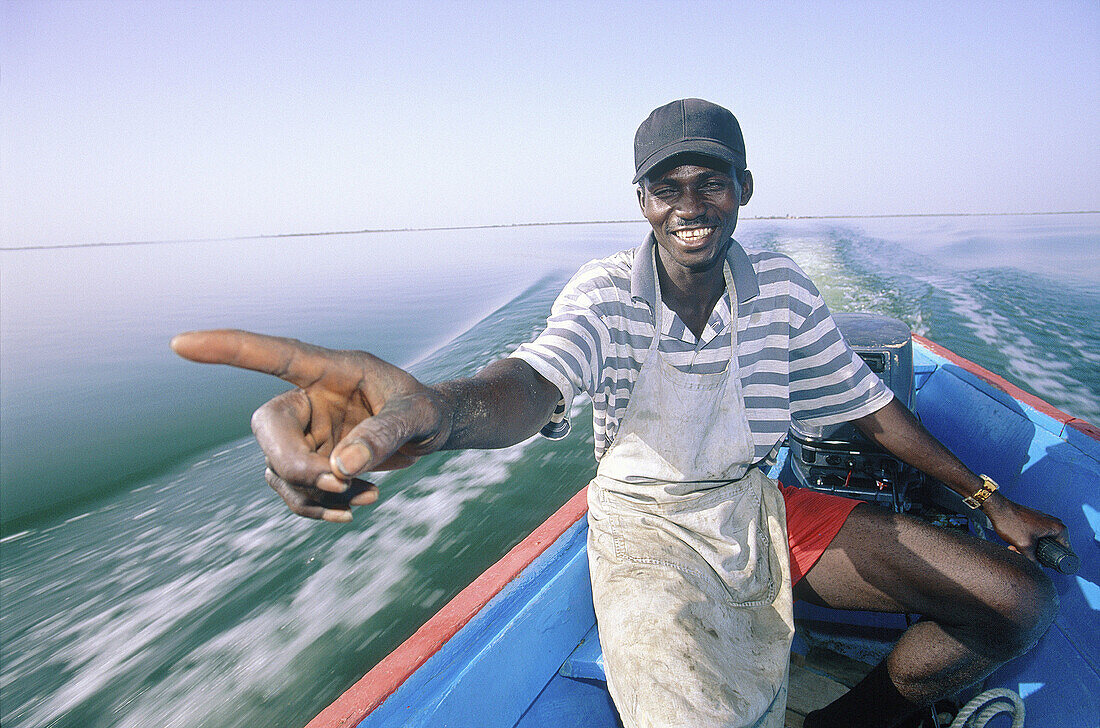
[697, 356]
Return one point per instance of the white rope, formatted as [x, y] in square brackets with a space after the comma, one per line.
[984, 707]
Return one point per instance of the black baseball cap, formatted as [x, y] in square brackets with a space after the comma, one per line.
[691, 126]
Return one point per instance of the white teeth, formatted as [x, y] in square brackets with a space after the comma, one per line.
[690, 236]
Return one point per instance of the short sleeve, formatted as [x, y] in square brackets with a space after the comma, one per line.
[568, 351]
[829, 383]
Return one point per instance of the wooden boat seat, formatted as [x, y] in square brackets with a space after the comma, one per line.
[586, 661]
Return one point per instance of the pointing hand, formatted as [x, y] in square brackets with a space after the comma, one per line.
[351, 413]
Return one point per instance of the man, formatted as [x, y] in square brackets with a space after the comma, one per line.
[696, 355]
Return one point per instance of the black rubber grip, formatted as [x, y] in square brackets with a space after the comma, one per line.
[1054, 555]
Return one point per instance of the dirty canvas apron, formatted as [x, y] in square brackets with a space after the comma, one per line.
[688, 554]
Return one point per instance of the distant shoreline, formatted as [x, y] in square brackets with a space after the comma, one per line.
[366, 231]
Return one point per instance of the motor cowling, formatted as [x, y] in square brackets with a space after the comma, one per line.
[839, 458]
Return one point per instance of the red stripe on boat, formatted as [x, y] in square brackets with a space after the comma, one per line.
[388, 675]
[1011, 389]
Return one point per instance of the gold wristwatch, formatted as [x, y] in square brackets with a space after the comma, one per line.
[976, 499]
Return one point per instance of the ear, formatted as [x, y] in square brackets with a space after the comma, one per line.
[746, 187]
[641, 197]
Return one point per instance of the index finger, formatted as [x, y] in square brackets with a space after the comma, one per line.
[294, 361]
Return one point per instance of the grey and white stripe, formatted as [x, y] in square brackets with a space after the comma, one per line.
[791, 359]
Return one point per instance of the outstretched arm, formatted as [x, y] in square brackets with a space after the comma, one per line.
[353, 413]
[895, 429]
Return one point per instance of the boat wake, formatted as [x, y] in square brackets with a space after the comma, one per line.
[212, 605]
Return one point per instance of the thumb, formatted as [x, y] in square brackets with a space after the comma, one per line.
[373, 441]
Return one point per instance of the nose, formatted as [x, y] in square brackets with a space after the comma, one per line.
[690, 205]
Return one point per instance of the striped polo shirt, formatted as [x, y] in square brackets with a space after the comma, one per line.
[790, 357]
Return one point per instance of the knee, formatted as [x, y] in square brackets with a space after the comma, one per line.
[1020, 610]
[1039, 608]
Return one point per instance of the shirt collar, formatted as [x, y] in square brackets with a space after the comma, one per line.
[643, 276]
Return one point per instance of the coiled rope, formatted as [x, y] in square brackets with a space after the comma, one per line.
[984, 707]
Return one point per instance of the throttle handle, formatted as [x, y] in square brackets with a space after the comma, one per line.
[1053, 555]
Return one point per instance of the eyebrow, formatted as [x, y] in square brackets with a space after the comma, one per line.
[702, 177]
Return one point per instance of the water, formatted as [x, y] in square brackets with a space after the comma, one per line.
[149, 577]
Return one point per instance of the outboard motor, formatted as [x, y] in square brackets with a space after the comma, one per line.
[838, 458]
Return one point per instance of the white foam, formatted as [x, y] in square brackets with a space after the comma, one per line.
[127, 622]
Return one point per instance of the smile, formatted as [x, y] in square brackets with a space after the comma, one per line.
[694, 235]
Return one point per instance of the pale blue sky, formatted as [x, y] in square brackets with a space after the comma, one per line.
[164, 120]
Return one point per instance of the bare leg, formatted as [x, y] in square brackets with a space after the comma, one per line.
[982, 603]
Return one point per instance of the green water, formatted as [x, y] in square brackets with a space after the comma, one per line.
[149, 577]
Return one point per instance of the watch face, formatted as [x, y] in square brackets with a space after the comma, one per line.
[976, 499]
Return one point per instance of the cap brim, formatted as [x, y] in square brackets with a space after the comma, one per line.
[705, 147]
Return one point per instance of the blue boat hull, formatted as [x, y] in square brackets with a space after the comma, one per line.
[519, 647]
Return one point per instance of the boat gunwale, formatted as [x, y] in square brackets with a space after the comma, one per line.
[1067, 420]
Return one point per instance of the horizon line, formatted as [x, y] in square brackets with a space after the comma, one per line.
[367, 231]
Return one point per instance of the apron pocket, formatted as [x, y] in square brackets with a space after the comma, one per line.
[643, 539]
[719, 539]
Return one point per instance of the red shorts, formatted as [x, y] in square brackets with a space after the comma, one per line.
[813, 521]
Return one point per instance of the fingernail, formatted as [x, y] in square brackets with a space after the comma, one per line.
[331, 483]
[336, 516]
[364, 499]
[351, 459]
